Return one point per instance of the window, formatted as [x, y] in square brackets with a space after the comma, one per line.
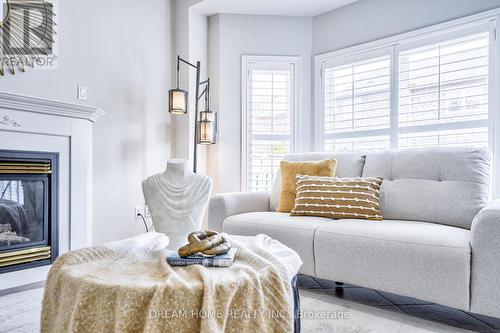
[426, 91]
[357, 105]
[443, 93]
[269, 107]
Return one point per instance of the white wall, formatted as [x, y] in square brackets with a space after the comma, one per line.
[198, 51]
[368, 20]
[191, 43]
[187, 27]
[214, 39]
[230, 37]
[121, 50]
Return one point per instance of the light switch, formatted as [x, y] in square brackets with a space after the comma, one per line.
[82, 93]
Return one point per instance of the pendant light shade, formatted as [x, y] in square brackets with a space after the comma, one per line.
[207, 128]
[177, 101]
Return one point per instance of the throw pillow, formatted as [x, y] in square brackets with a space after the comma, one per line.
[289, 170]
[340, 198]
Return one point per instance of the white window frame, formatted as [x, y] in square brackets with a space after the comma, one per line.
[339, 61]
[428, 35]
[248, 61]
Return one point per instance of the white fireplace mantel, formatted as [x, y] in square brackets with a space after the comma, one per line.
[37, 124]
[47, 106]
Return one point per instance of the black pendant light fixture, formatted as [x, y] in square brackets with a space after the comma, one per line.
[205, 123]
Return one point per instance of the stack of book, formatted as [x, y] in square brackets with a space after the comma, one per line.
[221, 260]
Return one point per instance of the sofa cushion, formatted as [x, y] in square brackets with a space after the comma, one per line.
[348, 165]
[447, 185]
[289, 171]
[419, 259]
[338, 198]
[296, 232]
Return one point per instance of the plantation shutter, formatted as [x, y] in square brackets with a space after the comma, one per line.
[443, 93]
[270, 109]
[357, 105]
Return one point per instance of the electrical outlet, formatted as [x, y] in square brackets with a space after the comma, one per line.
[147, 212]
[139, 210]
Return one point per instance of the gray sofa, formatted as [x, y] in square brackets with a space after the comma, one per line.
[439, 240]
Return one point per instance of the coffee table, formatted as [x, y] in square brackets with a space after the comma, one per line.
[127, 286]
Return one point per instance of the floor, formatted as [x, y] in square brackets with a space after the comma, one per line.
[375, 311]
[20, 311]
[325, 308]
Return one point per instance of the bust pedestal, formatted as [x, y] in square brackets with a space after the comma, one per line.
[177, 199]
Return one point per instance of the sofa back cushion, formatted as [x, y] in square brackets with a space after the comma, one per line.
[348, 165]
[446, 185]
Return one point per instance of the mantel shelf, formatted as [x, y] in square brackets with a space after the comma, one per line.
[46, 106]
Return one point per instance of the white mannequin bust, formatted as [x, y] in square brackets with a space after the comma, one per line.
[177, 199]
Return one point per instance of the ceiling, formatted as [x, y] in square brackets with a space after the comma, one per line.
[270, 7]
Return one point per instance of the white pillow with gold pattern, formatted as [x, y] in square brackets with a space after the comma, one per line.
[338, 198]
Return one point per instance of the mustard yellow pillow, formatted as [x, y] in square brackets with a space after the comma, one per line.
[290, 170]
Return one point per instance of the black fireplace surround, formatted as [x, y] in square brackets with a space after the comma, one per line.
[29, 217]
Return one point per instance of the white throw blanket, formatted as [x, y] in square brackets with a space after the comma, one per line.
[128, 287]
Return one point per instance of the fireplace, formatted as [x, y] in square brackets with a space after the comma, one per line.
[28, 209]
[60, 135]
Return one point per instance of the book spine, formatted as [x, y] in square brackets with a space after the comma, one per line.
[221, 262]
[207, 262]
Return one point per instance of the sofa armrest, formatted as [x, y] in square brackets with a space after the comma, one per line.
[485, 270]
[224, 205]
